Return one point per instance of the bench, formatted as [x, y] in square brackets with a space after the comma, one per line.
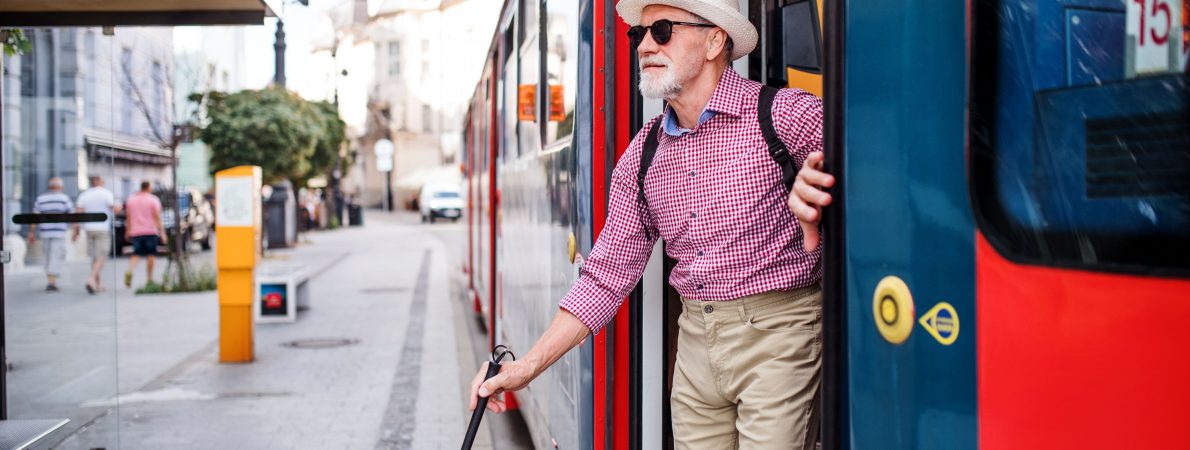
[281, 291]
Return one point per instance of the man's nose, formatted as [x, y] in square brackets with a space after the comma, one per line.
[647, 45]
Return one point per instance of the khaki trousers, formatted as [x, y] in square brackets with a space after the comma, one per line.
[748, 371]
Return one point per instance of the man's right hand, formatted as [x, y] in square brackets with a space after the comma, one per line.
[513, 376]
[807, 198]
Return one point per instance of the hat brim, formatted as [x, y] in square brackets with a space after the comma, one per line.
[743, 34]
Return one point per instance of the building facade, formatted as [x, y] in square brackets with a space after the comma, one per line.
[82, 103]
[426, 58]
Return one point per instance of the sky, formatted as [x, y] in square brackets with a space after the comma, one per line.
[306, 73]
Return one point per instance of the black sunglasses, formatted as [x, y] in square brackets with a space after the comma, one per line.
[662, 30]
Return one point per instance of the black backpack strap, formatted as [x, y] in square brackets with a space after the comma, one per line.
[780, 154]
[646, 158]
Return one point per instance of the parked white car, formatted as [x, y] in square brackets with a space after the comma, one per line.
[439, 201]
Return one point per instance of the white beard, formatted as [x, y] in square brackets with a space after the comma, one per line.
[664, 86]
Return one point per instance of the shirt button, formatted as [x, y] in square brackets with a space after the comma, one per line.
[693, 215]
[700, 253]
[700, 286]
[708, 309]
[693, 173]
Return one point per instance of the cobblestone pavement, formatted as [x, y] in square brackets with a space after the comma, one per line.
[385, 288]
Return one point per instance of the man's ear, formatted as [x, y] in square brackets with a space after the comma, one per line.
[716, 44]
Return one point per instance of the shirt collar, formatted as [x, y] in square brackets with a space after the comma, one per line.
[728, 94]
[725, 100]
[671, 122]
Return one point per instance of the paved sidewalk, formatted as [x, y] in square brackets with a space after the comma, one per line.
[396, 385]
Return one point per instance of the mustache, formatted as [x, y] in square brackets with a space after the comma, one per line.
[655, 60]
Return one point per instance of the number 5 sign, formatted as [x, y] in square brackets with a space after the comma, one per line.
[1154, 36]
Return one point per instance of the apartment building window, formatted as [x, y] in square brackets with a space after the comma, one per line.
[89, 107]
[159, 94]
[126, 102]
[427, 119]
[394, 58]
[425, 46]
[68, 64]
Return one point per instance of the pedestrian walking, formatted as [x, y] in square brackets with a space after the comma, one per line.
[143, 228]
[711, 176]
[97, 199]
[52, 234]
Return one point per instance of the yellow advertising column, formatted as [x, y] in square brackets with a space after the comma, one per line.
[237, 227]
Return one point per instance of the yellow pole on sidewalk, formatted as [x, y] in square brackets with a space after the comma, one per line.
[237, 228]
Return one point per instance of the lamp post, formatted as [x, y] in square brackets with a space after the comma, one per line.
[279, 46]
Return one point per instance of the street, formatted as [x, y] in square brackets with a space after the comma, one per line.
[380, 360]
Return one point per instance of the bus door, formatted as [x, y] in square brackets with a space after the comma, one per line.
[900, 340]
[790, 53]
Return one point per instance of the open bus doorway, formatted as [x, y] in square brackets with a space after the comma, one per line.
[789, 55]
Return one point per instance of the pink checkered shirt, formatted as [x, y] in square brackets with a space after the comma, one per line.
[715, 196]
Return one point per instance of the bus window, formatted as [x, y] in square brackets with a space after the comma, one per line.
[1079, 135]
[795, 45]
[561, 68]
[529, 74]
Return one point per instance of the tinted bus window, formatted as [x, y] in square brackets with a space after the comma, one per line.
[800, 36]
[1079, 132]
[561, 60]
[527, 90]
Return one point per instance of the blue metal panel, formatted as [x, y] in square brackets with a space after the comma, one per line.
[908, 215]
[584, 225]
[1061, 186]
[1094, 46]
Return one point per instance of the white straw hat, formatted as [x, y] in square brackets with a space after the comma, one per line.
[724, 14]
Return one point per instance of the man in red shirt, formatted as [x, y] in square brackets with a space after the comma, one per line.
[711, 177]
[143, 228]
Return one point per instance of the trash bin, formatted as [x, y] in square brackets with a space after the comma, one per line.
[355, 215]
[280, 229]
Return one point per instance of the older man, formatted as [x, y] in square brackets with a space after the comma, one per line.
[53, 235]
[711, 177]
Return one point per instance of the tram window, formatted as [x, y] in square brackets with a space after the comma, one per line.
[528, 16]
[800, 36]
[508, 110]
[528, 112]
[507, 98]
[1084, 164]
[561, 61]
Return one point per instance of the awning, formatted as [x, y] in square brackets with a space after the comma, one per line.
[69, 13]
[109, 145]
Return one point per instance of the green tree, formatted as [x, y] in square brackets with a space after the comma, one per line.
[15, 42]
[288, 137]
[331, 136]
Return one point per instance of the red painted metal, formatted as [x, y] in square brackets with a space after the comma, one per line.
[493, 144]
[622, 364]
[1075, 359]
[599, 166]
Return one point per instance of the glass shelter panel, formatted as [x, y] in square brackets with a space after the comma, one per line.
[64, 135]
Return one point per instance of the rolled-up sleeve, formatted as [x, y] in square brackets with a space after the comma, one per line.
[797, 115]
[618, 257]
